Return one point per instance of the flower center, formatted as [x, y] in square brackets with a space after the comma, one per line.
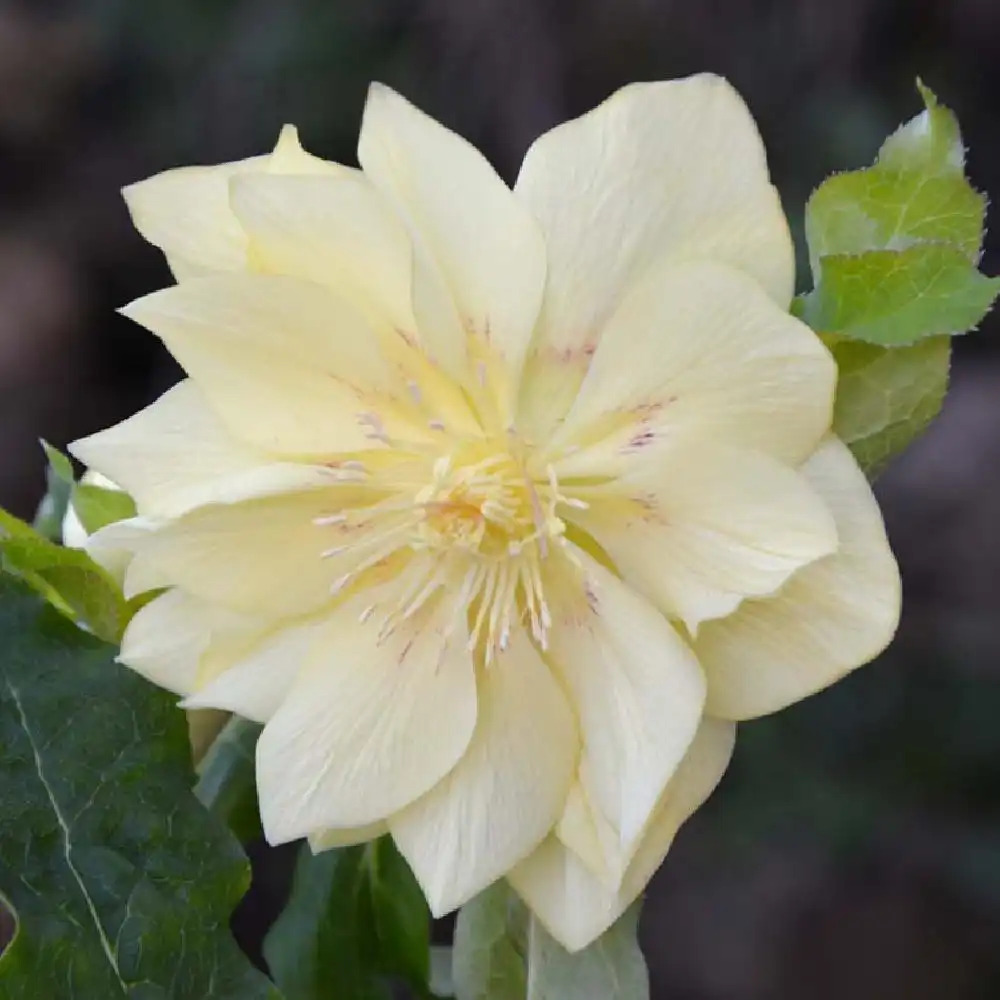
[477, 531]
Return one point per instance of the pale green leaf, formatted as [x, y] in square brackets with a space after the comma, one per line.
[97, 506]
[897, 297]
[59, 481]
[887, 397]
[877, 209]
[503, 953]
[121, 883]
[490, 947]
[894, 250]
[612, 968]
[916, 192]
[227, 778]
[931, 142]
[67, 578]
[442, 980]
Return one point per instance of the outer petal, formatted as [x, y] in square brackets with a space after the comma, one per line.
[638, 693]
[290, 367]
[185, 212]
[253, 680]
[674, 168]
[367, 728]
[697, 349]
[261, 557]
[831, 617]
[485, 248]
[506, 792]
[338, 231]
[701, 527]
[168, 638]
[114, 546]
[176, 454]
[571, 903]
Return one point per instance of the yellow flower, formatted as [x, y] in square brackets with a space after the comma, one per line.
[498, 507]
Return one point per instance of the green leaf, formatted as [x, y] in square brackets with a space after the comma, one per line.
[612, 968]
[915, 192]
[490, 947]
[503, 953]
[877, 209]
[441, 979]
[887, 397]
[59, 480]
[931, 142]
[356, 918]
[897, 297]
[226, 778]
[121, 883]
[894, 250]
[97, 506]
[67, 578]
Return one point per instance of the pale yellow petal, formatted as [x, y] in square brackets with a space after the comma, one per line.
[113, 546]
[288, 157]
[572, 904]
[74, 534]
[252, 681]
[185, 212]
[704, 526]
[368, 726]
[831, 617]
[290, 367]
[166, 640]
[672, 168]
[176, 454]
[466, 226]
[262, 557]
[638, 693]
[697, 349]
[506, 792]
[337, 231]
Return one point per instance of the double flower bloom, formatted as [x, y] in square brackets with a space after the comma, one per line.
[498, 508]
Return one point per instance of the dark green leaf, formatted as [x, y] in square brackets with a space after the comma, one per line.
[226, 778]
[490, 947]
[67, 578]
[121, 883]
[356, 919]
[97, 506]
[402, 920]
[59, 480]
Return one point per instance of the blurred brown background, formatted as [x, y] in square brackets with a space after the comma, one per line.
[854, 849]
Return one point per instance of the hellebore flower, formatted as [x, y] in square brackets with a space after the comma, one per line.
[499, 508]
